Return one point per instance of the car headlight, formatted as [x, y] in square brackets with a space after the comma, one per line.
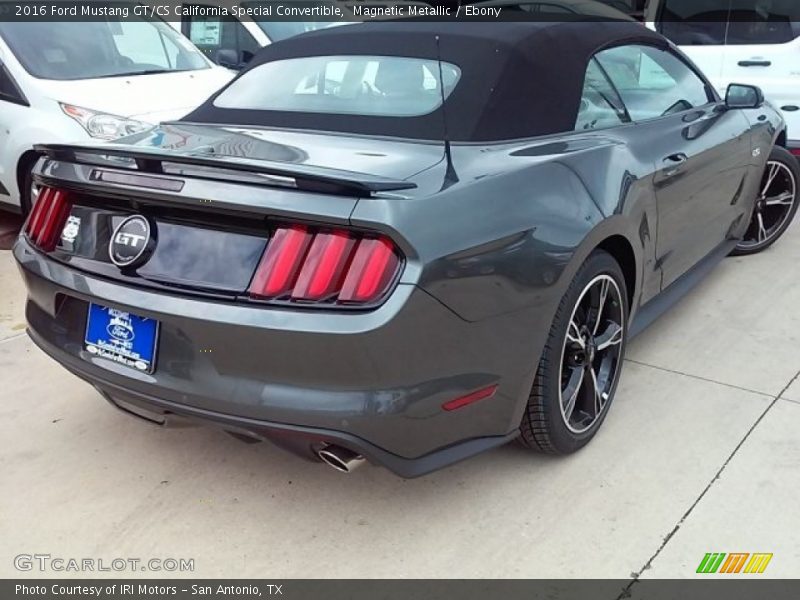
[103, 125]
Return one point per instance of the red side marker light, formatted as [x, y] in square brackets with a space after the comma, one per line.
[463, 401]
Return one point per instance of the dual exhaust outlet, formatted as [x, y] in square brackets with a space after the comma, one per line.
[341, 459]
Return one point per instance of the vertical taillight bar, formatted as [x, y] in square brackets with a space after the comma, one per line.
[279, 267]
[324, 266]
[47, 218]
[39, 209]
[53, 222]
[374, 265]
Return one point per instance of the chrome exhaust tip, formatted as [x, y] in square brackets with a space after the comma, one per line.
[341, 459]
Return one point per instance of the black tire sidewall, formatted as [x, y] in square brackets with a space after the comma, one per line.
[562, 438]
[782, 155]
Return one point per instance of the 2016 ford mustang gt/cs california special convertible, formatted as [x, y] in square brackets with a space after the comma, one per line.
[403, 243]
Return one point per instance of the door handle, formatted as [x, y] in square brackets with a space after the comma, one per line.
[755, 63]
[674, 162]
[676, 159]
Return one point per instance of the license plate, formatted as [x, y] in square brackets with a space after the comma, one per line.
[121, 336]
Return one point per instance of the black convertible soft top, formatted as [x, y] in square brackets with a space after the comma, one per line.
[518, 79]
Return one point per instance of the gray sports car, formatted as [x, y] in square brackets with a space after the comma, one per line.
[403, 243]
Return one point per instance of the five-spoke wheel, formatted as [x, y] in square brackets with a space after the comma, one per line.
[581, 362]
[775, 205]
[591, 353]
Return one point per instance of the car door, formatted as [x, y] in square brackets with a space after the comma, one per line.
[224, 40]
[701, 152]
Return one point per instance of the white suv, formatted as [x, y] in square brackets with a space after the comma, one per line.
[745, 41]
[67, 81]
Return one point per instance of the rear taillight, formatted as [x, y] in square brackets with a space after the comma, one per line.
[336, 267]
[47, 218]
[373, 267]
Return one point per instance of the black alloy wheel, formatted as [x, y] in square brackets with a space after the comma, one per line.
[591, 354]
[582, 361]
[775, 205]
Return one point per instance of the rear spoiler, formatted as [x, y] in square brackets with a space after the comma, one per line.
[268, 173]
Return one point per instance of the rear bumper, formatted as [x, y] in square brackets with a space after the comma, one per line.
[372, 382]
[304, 442]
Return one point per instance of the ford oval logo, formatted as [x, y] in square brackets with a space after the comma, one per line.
[120, 332]
[132, 242]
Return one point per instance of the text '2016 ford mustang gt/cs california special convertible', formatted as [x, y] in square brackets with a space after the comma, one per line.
[404, 243]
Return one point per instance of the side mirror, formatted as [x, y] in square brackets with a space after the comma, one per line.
[740, 95]
[227, 58]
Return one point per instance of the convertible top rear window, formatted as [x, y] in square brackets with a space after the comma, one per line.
[357, 85]
[499, 81]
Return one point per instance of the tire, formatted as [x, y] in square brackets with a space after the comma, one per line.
[546, 425]
[774, 211]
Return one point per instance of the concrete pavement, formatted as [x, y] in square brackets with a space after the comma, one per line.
[699, 454]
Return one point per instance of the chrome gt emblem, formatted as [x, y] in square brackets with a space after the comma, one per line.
[131, 243]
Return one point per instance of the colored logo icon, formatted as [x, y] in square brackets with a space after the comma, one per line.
[737, 562]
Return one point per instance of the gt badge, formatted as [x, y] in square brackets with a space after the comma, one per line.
[132, 242]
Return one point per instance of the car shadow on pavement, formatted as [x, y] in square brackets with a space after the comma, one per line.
[10, 225]
[274, 467]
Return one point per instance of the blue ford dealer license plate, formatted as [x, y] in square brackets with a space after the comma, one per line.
[122, 337]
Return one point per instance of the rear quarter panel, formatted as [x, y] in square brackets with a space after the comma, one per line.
[500, 247]
[522, 218]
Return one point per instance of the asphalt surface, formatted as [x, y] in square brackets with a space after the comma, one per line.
[699, 454]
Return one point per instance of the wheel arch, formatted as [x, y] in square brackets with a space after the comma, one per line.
[630, 242]
[621, 250]
[783, 139]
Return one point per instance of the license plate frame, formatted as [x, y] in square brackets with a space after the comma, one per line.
[122, 337]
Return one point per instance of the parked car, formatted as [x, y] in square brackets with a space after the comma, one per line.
[233, 40]
[751, 41]
[69, 81]
[633, 8]
[402, 242]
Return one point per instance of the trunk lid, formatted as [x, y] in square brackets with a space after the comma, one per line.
[214, 195]
[378, 157]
